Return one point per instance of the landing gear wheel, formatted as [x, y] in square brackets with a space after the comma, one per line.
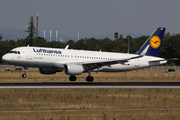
[89, 78]
[72, 78]
[24, 75]
[25, 70]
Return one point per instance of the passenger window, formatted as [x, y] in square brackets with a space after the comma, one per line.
[15, 52]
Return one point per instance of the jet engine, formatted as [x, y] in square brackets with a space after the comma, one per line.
[47, 70]
[72, 69]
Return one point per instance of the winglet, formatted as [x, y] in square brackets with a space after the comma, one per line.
[66, 47]
[144, 51]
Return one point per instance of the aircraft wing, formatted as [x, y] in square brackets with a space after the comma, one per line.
[100, 63]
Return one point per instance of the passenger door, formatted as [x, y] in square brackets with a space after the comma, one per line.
[29, 53]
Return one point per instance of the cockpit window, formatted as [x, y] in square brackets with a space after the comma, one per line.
[11, 52]
[15, 52]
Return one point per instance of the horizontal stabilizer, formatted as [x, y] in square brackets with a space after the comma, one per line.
[158, 60]
[172, 59]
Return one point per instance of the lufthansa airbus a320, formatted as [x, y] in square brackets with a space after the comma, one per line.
[76, 62]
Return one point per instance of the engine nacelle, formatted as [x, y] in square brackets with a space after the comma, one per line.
[72, 69]
[47, 70]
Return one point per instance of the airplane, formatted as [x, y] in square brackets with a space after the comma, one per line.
[75, 62]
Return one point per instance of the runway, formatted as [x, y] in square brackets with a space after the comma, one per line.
[93, 85]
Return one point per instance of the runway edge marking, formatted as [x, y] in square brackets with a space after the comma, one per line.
[89, 87]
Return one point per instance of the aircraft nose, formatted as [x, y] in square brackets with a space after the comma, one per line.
[4, 58]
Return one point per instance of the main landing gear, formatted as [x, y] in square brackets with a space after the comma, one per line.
[89, 78]
[25, 70]
[72, 78]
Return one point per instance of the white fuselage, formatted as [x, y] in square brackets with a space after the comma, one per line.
[56, 58]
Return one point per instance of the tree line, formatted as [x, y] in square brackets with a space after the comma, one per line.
[170, 47]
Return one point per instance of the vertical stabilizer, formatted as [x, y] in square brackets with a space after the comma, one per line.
[154, 42]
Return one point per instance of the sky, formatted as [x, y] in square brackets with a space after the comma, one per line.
[92, 17]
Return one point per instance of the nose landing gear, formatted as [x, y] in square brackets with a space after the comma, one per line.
[25, 70]
[24, 75]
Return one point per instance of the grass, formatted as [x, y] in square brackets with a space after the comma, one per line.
[104, 104]
[95, 115]
[133, 76]
[99, 100]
